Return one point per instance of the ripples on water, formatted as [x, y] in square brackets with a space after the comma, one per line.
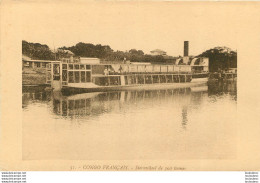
[189, 123]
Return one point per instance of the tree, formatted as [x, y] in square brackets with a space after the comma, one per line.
[37, 51]
[220, 58]
[89, 50]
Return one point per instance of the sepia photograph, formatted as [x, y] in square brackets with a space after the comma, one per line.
[132, 86]
[100, 103]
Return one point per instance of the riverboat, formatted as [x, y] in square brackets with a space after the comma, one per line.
[93, 77]
[89, 75]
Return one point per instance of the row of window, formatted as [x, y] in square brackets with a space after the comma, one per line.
[150, 79]
[76, 76]
[142, 79]
[76, 66]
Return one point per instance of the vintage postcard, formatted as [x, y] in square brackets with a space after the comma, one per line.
[130, 86]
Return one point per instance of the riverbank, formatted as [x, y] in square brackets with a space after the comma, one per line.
[35, 76]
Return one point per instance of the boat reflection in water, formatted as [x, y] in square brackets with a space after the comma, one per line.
[96, 103]
[89, 104]
[153, 124]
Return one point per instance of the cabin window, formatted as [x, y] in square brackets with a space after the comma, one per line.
[76, 76]
[126, 81]
[129, 80]
[82, 67]
[76, 66]
[148, 79]
[38, 64]
[169, 78]
[188, 78]
[56, 69]
[88, 77]
[133, 80]
[64, 75]
[70, 66]
[155, 78]
[140, 79]
[162, 79]
[64, 66]
[56, 72]
[71, 79]
[88, 67]
[82, 77]
[43, 65]
[182, 78]
[176, 79]
[114, 80]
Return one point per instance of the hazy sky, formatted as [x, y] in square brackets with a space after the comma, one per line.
[124, 26]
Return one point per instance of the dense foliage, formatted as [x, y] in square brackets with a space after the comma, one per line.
[220, 58]
[37, 51]
[107, 54]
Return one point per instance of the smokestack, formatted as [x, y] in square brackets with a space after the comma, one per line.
[186, 48]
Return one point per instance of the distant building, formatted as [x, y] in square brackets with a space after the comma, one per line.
[158, 52]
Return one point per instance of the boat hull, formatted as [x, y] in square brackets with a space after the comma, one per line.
[80, 89]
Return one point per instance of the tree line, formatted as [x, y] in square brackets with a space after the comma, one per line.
[104, 52]
[219, 57]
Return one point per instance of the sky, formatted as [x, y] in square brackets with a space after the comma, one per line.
[138, 25]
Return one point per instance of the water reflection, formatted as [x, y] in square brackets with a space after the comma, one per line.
[94, 104]
[153, 124]
[35, 95]
[184, 116]
[220, 88]
[98, 103]
[87, 105]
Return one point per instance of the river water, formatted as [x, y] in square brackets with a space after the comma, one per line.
[190, 123]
